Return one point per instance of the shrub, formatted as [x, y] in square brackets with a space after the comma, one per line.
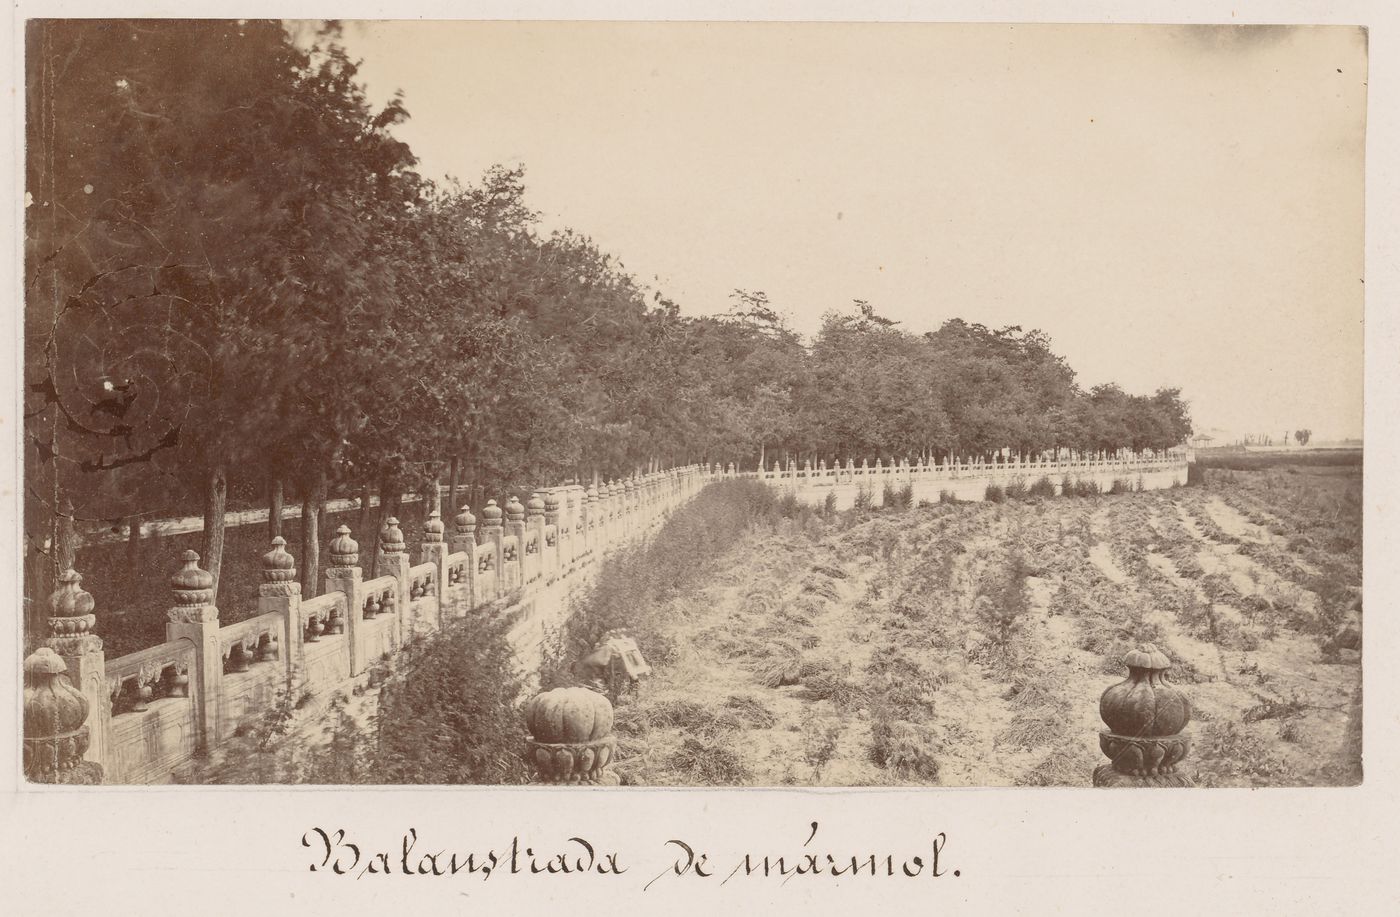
[710, 760]
[751, 711]
[819, 744]
[829, 505]
[946, 496]
[1195, 474]
[889, 498]
[994, 494]
[1121, 486]
[1042, 488]
[1017, 490]
[1083, 488]
[449, 716]
[907, 748]
[905, 496]
[864, 499]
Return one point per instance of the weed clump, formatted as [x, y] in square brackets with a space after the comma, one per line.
[1042, 488]
[908, 749]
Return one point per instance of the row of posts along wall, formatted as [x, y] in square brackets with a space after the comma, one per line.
[932, 482]
[152, 711]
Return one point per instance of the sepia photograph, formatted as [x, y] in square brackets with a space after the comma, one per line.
[692, 404]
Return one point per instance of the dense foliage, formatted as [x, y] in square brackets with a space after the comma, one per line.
[237, 280]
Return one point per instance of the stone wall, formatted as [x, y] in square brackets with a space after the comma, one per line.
[151, 711]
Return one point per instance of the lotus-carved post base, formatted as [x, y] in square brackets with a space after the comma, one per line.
[1142, 760]
[1105, 775]
[573, 762]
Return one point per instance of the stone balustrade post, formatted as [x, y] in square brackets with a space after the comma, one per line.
[71, 626]
[392, 560]
[434, 551]
[492, 537]
[464, 542]
[592, 510]
[345, 575]
[57, 735]
[552, 536]
[1146, 717]
[195, 618]
[532, 546]
[280, 592]
[571, 740]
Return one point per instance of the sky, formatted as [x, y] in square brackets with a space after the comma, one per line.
[1173, 205]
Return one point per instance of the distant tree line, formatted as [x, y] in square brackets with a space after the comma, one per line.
[239, 287]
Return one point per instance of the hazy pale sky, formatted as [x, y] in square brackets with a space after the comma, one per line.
[1172, 205]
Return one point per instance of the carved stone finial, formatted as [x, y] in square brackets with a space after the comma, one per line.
[433, 528]
[391, 537]
[279, 572]
[551, 504]
[491, 516]
[55, 723]
[345, 550]
[466, 523]
[191, 584]
[515, 510]
[1146, 716]
[571, 736]
[71, 620]
[535, 508]
[277, 565]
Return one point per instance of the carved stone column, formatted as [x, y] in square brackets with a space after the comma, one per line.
[434, 551]
[393, 561]
[196, 619]
[532, 546]
[71, 625]
[571, 737]
[345, 575]
[280, 592]
[1146, 716]
[56, 734]
[464, 542]
[589, 528]
[492, 536]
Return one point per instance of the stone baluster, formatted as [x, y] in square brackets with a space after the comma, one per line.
[434, 551]
[552, 537]
[591, 512]
[513, 567]
[464, 530]
[532, 545]
[571, 740]
[345, 575]
[393, 561]
[492, 537]
[195, 618]
[57, 735]
[71, 626]
[280, 592]
[1146, 717]
[464, 542]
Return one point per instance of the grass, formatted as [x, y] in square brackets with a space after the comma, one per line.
[968, 644]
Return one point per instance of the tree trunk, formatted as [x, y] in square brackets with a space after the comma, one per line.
[274, 508]
[312, 504]
[366, 523]
[454, 475]
[215, 502]
[133, 545]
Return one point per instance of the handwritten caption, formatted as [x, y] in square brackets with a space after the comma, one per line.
[335, 853]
